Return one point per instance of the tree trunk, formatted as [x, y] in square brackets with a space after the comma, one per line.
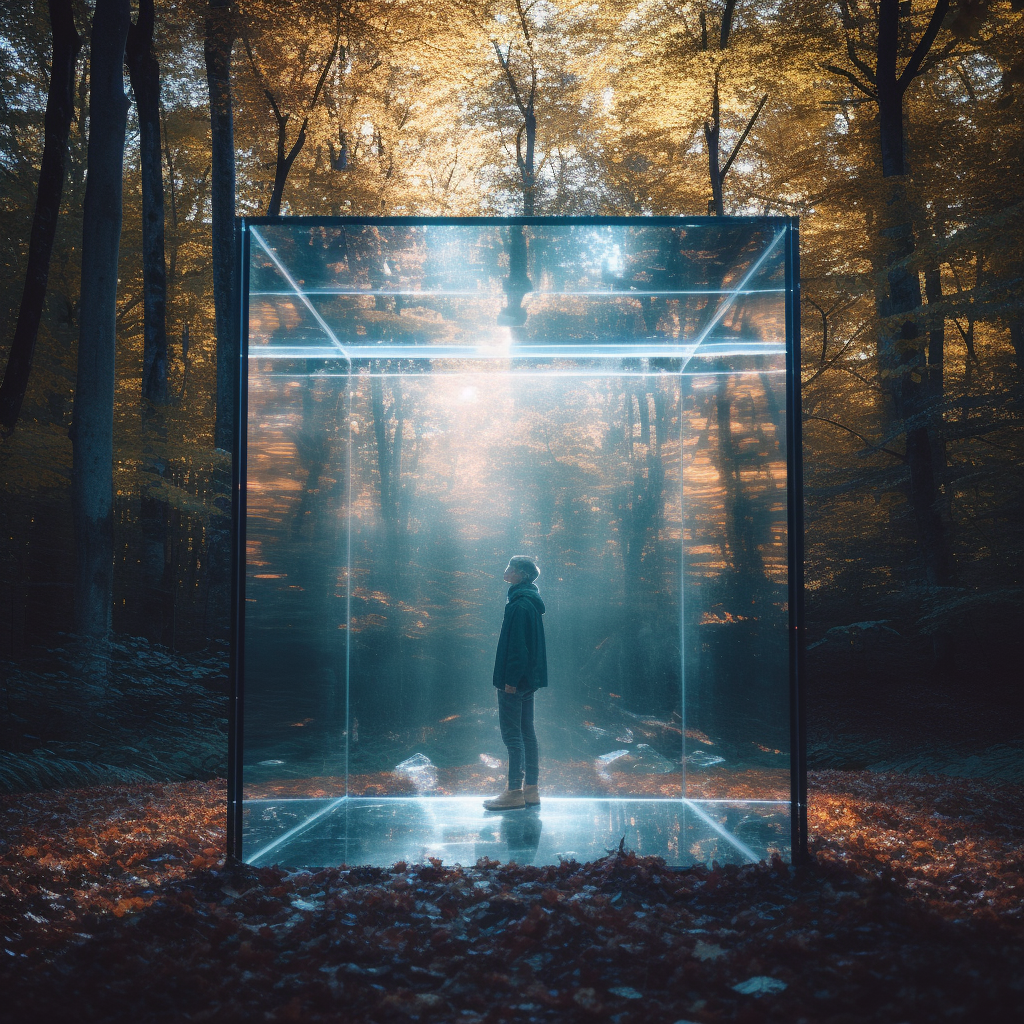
[905, 376]
[92, 478]
[890, 91]
[937, 391]
[219, 41]
[901, 349]
[144, 72]
[936, 334]
[712, 131]
[1017, 341]
[218, 44]
[283, 165]
[56, 124]
[529, 173]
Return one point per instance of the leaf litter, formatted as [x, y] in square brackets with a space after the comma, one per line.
[116, 904]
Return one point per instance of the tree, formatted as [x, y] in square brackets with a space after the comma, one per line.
[144, 73]
[686, 86]
[363, 106]
[59, 111]
[713, 126]
[525, 96]
[902, 351]
[285, 156]
[93, 424]
[530, 103]
[218, 44]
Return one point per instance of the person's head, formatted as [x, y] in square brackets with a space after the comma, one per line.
[521, 570]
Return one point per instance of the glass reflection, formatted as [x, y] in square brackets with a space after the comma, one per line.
[425, 400]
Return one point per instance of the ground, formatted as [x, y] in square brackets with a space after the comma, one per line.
[116, 905]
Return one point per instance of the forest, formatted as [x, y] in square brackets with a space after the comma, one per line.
[132, 135]
[893, 134]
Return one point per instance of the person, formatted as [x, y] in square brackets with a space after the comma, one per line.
[520, 669]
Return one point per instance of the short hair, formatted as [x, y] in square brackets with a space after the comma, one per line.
[526, 565]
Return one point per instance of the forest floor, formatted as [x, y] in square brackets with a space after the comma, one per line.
[116, 905]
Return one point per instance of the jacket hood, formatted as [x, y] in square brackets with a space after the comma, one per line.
[529, 592]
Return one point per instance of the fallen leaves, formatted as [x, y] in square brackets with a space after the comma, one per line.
[117, 906]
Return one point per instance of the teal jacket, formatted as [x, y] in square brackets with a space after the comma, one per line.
[522, 657]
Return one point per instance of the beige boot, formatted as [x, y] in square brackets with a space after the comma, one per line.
[506, 801]
[531, 796]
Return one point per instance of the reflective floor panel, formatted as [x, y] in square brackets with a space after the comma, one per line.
[457, 830]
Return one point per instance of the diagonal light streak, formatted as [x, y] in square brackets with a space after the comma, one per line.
[724, 833]
[303, 297]
[732, 295]
[293, 832]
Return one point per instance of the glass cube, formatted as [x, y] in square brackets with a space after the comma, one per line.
[423, 398]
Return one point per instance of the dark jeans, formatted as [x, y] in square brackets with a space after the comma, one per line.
[515, 719]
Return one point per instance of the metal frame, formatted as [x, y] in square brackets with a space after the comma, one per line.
[583, 221]
[236, 709]
[787, 228]
[795, 542]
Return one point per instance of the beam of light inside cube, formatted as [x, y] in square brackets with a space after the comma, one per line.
[303, 298]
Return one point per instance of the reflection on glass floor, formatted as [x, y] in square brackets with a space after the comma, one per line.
[383, 831]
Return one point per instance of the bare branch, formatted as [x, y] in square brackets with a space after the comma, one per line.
[723, 39]
[857, 83]
[965, 79]
[525, 25]
[281, 121]
[867, 441]
[743, 138]
[937, 58]
[252, 60]
[968, 337]
[330, 62]
[520, 162]
[824, 326]
[865, 69]
[504, 62]
[529, 51]
[913, 67]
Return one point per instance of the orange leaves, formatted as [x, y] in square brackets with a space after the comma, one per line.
[154, 913]
[124, 906]
[209, 858]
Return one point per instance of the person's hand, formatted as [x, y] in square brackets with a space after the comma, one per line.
[509, 689]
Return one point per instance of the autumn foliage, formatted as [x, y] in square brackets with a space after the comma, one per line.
[117, 906]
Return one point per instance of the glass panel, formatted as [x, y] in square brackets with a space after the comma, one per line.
[426, 400]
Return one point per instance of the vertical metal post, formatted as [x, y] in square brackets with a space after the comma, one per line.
[236, 709]
[795, 495]
[683, 638]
